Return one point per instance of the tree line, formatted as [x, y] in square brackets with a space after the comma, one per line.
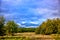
[50, 26]
[10, 27]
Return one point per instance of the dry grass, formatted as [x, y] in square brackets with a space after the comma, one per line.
[32, 35]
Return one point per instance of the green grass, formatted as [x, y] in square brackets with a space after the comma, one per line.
[14, 38]
[23, 38]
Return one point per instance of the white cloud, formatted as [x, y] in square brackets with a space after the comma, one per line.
[19, 24]
[35, 22]
[23, 22]
[45, 11]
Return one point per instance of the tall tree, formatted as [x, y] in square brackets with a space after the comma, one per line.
[2, 31]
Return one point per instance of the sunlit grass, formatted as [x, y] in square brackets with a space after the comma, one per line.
[31, 36]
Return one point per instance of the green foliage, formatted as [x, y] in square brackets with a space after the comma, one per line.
[15, 38]
[51, 26]
[11, 27]
[37, 31]
[2, 29]
[26, 29]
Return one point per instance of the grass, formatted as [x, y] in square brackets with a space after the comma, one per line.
[24, 38]
[13, 38]
[56, 36]
[30, 36]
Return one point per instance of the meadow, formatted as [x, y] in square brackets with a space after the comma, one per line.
[30, 36]
[48, 30]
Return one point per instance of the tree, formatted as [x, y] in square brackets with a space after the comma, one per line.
[2, 30]
[41, 28]
[12, 27]
[51, 26]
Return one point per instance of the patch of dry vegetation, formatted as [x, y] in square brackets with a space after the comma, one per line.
[31, 35]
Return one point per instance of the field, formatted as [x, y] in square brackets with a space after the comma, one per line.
[29, 36]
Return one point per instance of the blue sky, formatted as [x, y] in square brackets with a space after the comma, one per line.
[29, 13]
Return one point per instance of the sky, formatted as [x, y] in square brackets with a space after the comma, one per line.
[29, 13]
